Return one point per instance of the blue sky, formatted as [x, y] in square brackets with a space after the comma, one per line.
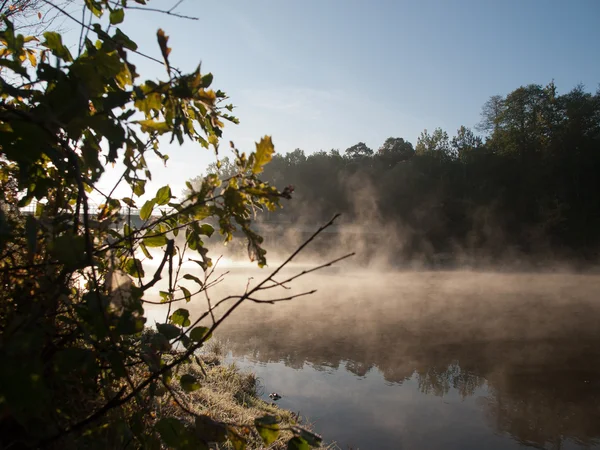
[330, 73]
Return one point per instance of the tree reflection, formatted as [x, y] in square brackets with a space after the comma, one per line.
[544, 408]
[439, 380]
[532, 360]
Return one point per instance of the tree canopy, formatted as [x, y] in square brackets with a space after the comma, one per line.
[80, 369]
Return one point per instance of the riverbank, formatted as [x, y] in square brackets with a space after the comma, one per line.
[230, 395]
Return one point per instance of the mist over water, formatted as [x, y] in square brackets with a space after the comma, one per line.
[404, 346]
[387, 358]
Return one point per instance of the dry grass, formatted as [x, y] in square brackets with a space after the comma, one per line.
[230, 395]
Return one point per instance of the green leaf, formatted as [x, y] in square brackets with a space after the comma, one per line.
[130, 324]
[167, 330]
[207, 80]
[209, 430]
[189, 383]
[69, 249]
[171, 431]
[168, 376]
[54, 43]
[186, 293]
[186, 341]
[124, 40]
[203, 264]
[145, 250]
[134, 267]
[160, 343]
[207, 229]
[149, 102]
[128, 201]
[264, 154]
[238, 442]
[163, 195]
[146, 210]
[307, 436]
[153, 240]
[181, 317]
[95, 7]
[165, 296]
[188, 276]
[117, 16]
[268, 428]
[297, 443]
[198, 334]
[139, 187]
[193, 239]
[25, 201]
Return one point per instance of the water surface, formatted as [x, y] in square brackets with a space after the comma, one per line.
[437, 360]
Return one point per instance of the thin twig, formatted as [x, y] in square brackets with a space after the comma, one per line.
[314, 269]
[283, 299]
[163, 11]
[261, 286]
[151, 58]
[83, 10]
[176, 5]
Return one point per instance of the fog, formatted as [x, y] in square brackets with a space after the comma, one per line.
[515, 344]
[520, 348]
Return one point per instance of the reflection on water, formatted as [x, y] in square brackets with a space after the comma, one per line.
[434, 360]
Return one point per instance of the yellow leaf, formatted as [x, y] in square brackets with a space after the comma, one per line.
[148, 126]
[124, 76]
[31, 57]
[264, 153]
[152, 101]
[208, 97]
[213, 140]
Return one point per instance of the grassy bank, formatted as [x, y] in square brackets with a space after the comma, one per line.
[230, 395]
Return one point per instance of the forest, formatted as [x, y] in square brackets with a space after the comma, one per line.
[522, 186]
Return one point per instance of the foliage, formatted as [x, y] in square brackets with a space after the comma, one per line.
[82, 371]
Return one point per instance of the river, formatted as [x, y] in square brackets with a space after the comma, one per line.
[439, 360]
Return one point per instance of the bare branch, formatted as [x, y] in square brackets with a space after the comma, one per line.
[157, 275]
[283, 299]
[314, 269]
[176, 5]
[168, 12]
[190, 351]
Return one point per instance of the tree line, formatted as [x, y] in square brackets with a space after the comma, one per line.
[523, 185]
